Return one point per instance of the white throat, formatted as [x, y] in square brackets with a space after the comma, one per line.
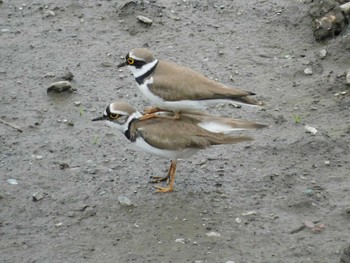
[137, 72]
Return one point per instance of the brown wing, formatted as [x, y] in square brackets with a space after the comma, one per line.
[191, 85]
[176, 135]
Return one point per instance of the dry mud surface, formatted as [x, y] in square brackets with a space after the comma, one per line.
[253, 198]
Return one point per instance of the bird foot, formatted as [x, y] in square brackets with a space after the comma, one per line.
[150, 110]
[148, 116]
[158, 179]
[167, 189]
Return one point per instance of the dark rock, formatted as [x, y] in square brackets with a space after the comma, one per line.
[346, 256]
[328, 19]
[60, 86]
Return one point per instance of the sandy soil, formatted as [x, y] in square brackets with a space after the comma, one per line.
[252, 199]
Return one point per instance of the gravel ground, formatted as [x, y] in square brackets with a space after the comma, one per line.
[64, 180]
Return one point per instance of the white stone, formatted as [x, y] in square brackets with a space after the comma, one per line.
[12, 181]
[145, 20]
[248, 213]
[310, 129]
[213, 234]
[124, 201]
[50, 13]
[180, 240]
[322, 53]
[308, 71]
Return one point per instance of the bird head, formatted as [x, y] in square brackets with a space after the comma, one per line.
[118, 114]
[139, 61]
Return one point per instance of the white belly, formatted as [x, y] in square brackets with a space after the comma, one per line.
[168, 154]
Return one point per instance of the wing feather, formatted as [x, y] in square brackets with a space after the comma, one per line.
[177, 135]
[191, 85]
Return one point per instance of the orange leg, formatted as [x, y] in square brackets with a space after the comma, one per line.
[148, 116]
[150, 113]
[150, 110]
[170, 186]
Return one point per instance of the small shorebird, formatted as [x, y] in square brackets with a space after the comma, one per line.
[174, 138]
[173, 87]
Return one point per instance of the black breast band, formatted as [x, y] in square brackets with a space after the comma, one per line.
[142, 78]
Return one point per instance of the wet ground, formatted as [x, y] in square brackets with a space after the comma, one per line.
[283, 198]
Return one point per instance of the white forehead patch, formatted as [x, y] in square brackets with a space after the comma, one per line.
[132, 55]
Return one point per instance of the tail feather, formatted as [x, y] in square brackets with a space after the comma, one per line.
[248, 100]
[220, 124]
[224, 139]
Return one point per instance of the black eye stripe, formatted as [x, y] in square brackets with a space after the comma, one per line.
[139, 63]
[108, 111]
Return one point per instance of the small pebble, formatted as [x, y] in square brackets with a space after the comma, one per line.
[37, 157]
[12, 181]
[37, 196]
[308, 71]
[348, 78]
[145, 20]
[310, 129]
[63, 165]
[180, 240]
[322, 53]
[60, 86]
[49, 75]
[124, 201]
[327, 163]
[77, 103]
[50, 13]
[213, 234]
[248, 213]
[107, 64]
[238, 220]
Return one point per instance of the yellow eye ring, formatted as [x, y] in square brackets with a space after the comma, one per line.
[130, 61]
[114, 116]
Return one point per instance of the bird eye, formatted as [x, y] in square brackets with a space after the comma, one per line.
[130, 61]
[114, 116]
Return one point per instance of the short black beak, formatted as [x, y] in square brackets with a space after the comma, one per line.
[122, 64]
[99, 118]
